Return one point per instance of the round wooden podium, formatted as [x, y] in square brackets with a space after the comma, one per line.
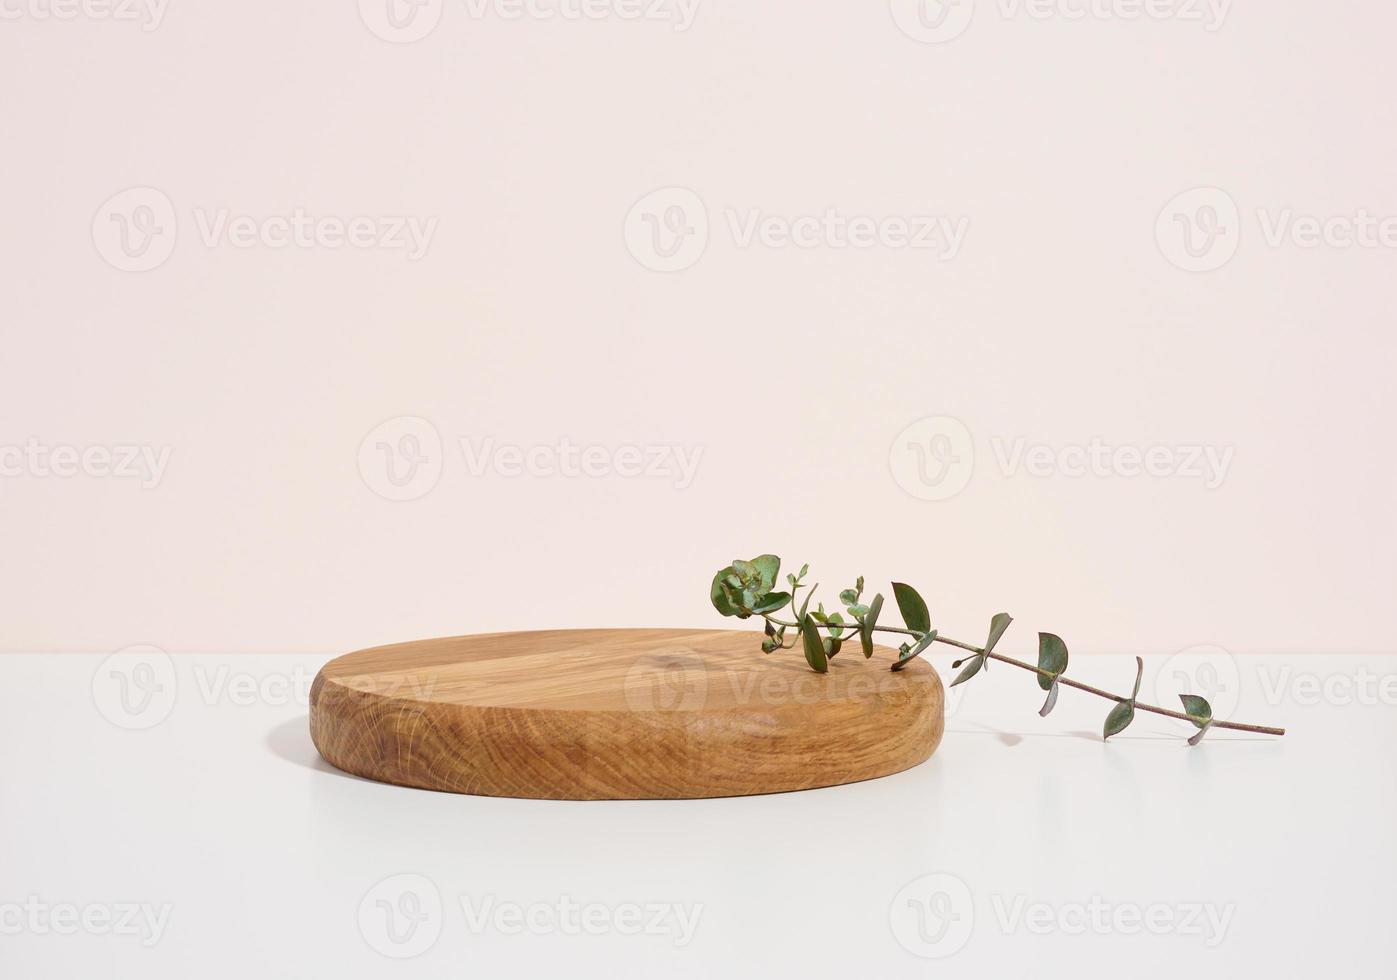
[620, 715]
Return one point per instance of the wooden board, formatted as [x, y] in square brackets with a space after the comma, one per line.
[620, 714]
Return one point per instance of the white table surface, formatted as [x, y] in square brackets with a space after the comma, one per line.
[216, 843]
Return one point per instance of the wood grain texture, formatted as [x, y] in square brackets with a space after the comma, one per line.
[620, 714]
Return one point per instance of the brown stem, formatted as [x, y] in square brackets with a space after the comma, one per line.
[1236, 726]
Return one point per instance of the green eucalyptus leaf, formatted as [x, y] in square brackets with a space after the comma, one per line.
[832, 645]
[814, 648]
[1052, 655]
[1121, 716]
[1051, 700]
[912, 606]
[800, 616]
[870, 620]
[1139, 676]
[719, 594]
[849, 597]
[1199, 711]
[774, 637]
[911, 653]
[772, 602]
[971, 669]
[998, 624]
[743, 586]
[766, 566]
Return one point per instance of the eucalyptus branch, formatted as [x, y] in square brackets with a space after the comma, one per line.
[744, 589]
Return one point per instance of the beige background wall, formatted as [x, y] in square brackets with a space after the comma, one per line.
[767, 243]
